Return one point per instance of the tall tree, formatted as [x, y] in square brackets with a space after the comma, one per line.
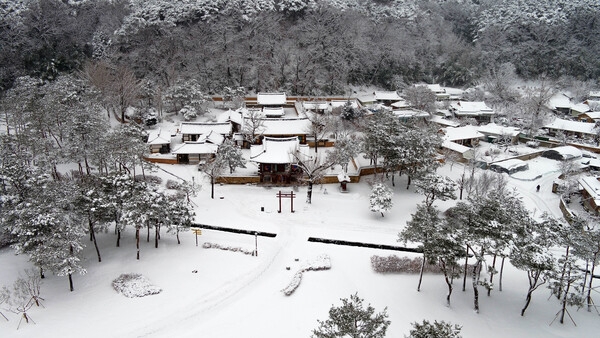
[380, 199]
[352, 319]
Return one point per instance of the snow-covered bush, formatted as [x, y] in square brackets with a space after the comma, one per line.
[208, 245]
[149, 178]
[532, 144]
[381, 198]
[172, 184]
[189, 113]
[134, 285]
[321, 262]
[395, 264]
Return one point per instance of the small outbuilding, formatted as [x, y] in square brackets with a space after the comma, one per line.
[563, 153]
[509, 166]
[344, 179]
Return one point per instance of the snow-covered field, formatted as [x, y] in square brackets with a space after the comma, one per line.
[218, 293]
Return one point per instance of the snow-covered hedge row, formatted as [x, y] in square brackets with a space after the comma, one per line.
[321, 262]
[395, 264]
[134, 285]
[208, 245]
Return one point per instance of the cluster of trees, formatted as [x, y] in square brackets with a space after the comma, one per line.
[493, 224]
[303, 47]
[46, 212]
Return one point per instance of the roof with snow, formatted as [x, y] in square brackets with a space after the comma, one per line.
[298, 126]
[443, 121]
[410, 113]
[466, 108]
[495, 129]
[572, 126]
[236, 116]
[341, 103]
[212, 137]
[563, 153]
[278, 150]
[466, 152]
[315, 105]
[387, 96]
[273, 111]
[402, 104]
[196, 148]
[594, 94]
[159, 137]
[592, 186]
[461, 133]
[594, 115]
[198, 128]
[510, 166]
[271, 99]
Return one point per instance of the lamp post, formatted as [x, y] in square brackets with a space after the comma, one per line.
[256, 243]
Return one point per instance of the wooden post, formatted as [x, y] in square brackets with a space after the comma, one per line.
[292, 201]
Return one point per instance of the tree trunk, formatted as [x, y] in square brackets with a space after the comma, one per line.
[71, 283]
[137, 241]
[589, 290]
[408, 184]
[156, 236]
[492, 275]
[212, 187]
[148, 231]
[448, 282]
[563, 308]
[309, 192]
[42, 273]
[501, 272]
[475, 286]
[93, 238]
[178, 241]
[534, 278]
[562, 276]
[464, 288]
[420, 273]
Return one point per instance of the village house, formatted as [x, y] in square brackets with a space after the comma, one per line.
[285, 128]
[192, 131]
[571, 128]
[590, 193]
[571, 109]
[385, 98]
[467, 136]
[195, 152]
[276, 159]
[440, 93]
[495, 133]
[563, 153]
[159, 141]
[477, 110]
[589, 117]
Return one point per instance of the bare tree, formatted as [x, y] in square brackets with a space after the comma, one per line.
[254, 126]
[314, 168]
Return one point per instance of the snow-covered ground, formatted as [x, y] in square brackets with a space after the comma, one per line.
[218, 293]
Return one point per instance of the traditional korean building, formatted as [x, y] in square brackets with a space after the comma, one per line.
[276, 159]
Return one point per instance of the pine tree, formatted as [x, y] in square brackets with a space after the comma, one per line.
[232, 155]
[435, 186]
[380, 199]
[351, 319]
[436, 329]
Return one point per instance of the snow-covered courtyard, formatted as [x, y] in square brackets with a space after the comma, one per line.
[220, 293]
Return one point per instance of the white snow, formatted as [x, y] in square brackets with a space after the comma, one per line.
[237, 295]
[572, 126]
[271, 99]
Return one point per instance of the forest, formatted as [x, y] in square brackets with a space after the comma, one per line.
[302, 47]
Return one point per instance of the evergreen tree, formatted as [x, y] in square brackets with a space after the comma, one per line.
[380, 199]
[436, 329]
[232, 155]
[435, 186]
[351, 319]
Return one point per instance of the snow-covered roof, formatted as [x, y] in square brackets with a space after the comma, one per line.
[410, 113]
[594, 94]
[297, 126]
[236, 116]
[387, 96]
[343, 177]
[572, 126]
[494, 129]
[315, 105]
[594, 115]
[465, 108]
[467, 152]
[592, 186]
[566, 152]
[436, 88]
[580, 108]
[278, 150]
[198, 128]
[273, 111]
[444, 122]
[196, 148]
[212, 137]
[159, 136]
[461, 133]
[402, 104]
[271, 99]
[341, 103]
[511, 164]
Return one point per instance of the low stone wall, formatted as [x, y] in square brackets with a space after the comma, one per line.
[161, 160]
[238, 179]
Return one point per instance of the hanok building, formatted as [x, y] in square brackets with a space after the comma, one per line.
[277, 158]
[477, 110]
[382, 98]
[271, 104]
[159, 141]
[195, 152]
[590, 193]
[284, 128]
[193, 131]
[571, 128]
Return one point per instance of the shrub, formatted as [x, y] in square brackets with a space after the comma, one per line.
[134, 285]
[395, 264]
